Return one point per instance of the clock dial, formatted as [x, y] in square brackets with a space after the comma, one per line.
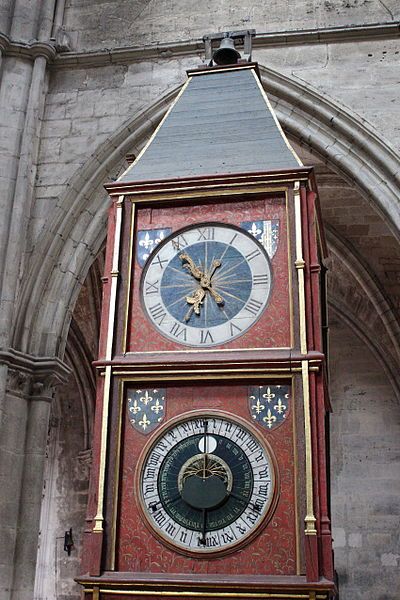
[206, 284]
[207, 484]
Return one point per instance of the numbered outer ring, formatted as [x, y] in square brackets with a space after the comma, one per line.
[254, 532]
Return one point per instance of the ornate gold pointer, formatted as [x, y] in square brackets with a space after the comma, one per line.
[196, 299]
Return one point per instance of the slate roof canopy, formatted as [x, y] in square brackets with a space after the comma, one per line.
[220, 123]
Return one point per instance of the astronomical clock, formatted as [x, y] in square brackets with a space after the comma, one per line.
[210, 456]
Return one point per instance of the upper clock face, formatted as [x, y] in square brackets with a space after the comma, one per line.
[206, 484]
[206, 284]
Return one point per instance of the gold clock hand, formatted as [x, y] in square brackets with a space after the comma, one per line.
[205, 282]
[214, 265]
[217, 297]
[190, 266]
[196, 300]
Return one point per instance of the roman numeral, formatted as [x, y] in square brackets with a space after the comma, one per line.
[155, 458]
[178, 331]
[253, 254]
[240, 434]
[179, 242]
[264, 473]
[158, 262]
[240, 528]
[227, 537]
[251, 517]
[263, 490]
[206, 234]
[206, 337]
[260, 279]
[160, 518]
[252, 445]
[158, 313]
[233, 239]
[170, 529]
[253, 306]
[151, 288]
[150, 488]
[259, 458]
[183, 537]
[234, 329]
[150, 473]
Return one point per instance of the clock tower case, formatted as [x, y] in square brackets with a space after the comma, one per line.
[210, 472]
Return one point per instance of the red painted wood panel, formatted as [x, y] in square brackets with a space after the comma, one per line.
[273, 328]
[271, 552]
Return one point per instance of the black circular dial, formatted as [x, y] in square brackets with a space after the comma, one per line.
[206, 484]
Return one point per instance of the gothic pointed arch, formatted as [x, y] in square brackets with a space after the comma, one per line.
[76, 232]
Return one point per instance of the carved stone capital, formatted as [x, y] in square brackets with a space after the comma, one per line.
[18, 382]
[43, 389]
[33, 376]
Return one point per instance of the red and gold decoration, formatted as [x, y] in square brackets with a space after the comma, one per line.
[210, 462]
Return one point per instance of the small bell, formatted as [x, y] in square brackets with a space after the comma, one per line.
[226, 54]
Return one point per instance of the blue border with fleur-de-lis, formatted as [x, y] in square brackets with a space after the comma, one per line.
[147, 240]
[146, 408]
[269, 405]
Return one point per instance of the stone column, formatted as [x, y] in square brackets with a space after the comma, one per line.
[24, 423]
[13, 420]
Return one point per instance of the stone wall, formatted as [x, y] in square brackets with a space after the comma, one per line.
[126, 22]
[365, 445]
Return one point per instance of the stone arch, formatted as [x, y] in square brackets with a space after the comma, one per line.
[77, 229]
[372, 320]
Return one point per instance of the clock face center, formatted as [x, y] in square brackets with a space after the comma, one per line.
[205, 481]
[205, 493]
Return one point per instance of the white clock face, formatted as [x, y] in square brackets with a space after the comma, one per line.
[206, 284]
[206, 484]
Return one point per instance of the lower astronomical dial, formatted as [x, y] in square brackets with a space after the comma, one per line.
[207, 484]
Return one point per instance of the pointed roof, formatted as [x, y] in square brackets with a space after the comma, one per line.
[221, 123]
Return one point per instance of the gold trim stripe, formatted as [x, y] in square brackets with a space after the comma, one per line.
[99, 518]
[300, 264]
[129, 278]
[309, 518]
[184, 594]
[222, 189]
[114, 277]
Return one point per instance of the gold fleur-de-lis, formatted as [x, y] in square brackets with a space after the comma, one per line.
[269, 396]
[280, 407]
[158, 407]
[146, 398]
[269, 419]
[135, 408]
[258, 407]
[144, 423]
